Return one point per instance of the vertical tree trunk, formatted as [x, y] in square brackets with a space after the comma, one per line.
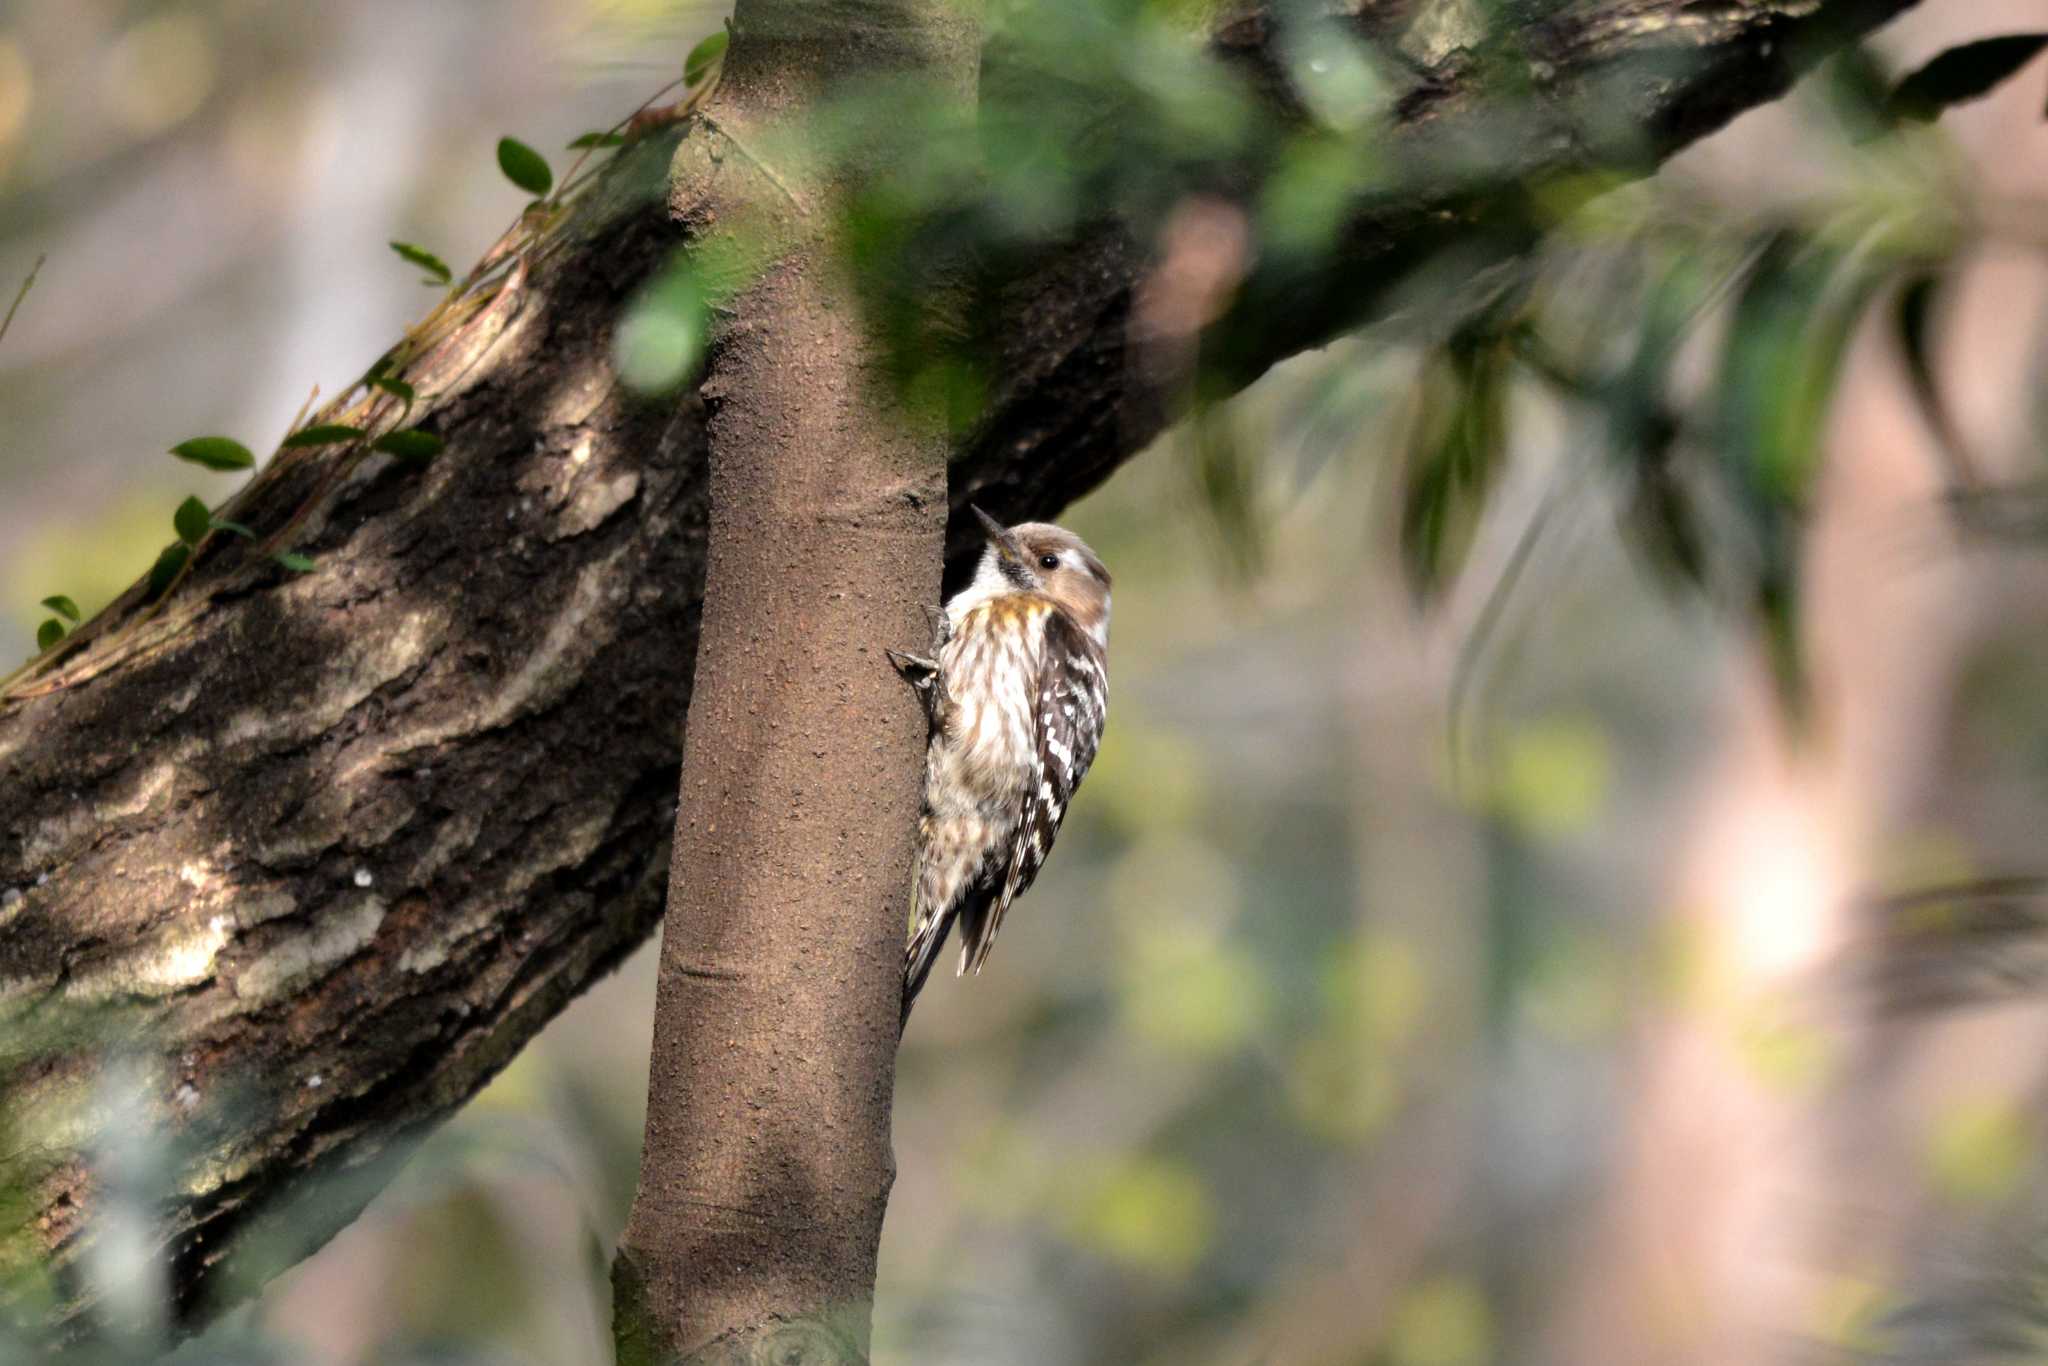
[754, 1231]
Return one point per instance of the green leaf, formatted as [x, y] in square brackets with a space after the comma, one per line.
[297, 563]
[410, 444]
[49, 633]
[166, 567]
[192, 520]
[327, 434]
[1962, 74]
[215, 452]
[62, 606]
[222, 524]
[1912, 322]
[1453, 456]
[1226, 480]
[704, 57]
[1858, 87]
[1779, 366]
[661, 341]
[427, 261]
[397, 388]
[525, 167]
[589, 140]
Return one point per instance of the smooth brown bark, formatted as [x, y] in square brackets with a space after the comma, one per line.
[474, 702]
[767, 1161]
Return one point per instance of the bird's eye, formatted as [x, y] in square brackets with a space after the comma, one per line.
[1048, 562]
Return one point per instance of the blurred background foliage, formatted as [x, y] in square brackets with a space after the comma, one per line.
[1542, 718]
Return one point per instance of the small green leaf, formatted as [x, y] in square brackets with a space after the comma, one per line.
[1913, 320]
[49, 633]
[1453, 458]
[397, 388]
[525, 167]
[166, 568]
[327, 434]
[1779, 365]
[294, 561]
[703, 57]
[192, 520]
[427, 261]
[1962, 74]
[215, 452]
[589, 140]
[62, 606]
[222, 524]
[410, 444]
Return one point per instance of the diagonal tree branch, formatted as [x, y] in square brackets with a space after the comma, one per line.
[327, 849]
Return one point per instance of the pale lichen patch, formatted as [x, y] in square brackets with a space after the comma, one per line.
[579, 397]
[366, 663]
[594, 502]
[182, 957]
[339, 933]
[254, 908]
[52, 840]
[577, 838]
[423, 957]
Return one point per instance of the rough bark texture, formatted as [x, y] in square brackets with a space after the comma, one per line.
[329, 848]
[767, 1161]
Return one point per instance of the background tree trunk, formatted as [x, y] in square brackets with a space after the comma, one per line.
[767, 1161]
[327, 849]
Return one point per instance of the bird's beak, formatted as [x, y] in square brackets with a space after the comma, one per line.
[999, 535]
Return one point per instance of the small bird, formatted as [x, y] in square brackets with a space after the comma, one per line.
[1017, 692]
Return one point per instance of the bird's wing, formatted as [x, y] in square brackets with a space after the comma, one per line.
[1071, 703]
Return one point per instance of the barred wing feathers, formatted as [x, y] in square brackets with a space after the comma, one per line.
[1073, 702]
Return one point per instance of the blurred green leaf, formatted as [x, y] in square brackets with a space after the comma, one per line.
[1780, 365]
[329, 434]
[1913, 325]
[297, 563]
[1663, 522]
[427, 261]
[166, 567]
[1153, 1213]
[662, 341]
[410, 444]
[704, 57]
[1453, 457]
[1779, 369]
[192, 521]
[233, 528]
[1859, 90]
[1227, 481]
[1661, 516]
[1444, 1321]
[1980, 1151]
[397, 388]
[49, 633]
[215, 453]
[590, 140]
[1962, 74]
[62, 606]
[525, 167]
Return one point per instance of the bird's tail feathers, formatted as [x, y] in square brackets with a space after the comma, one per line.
[919, 954]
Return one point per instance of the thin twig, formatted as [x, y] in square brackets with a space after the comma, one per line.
[22, 293]
[802, 206]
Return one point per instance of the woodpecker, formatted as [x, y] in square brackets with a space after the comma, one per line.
[1017, 691]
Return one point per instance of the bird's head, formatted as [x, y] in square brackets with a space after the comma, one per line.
[1038, 557]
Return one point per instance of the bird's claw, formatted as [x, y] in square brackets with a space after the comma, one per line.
[922, 672]
[917, 671]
